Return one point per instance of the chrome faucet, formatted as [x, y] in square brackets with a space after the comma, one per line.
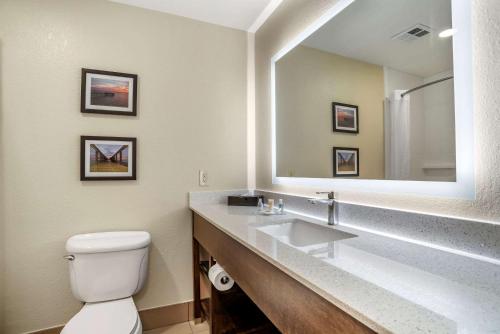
[333, 215]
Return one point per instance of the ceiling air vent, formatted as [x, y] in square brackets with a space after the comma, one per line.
[413, 33]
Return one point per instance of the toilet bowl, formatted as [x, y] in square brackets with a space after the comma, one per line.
[112, 317]
[106, 270]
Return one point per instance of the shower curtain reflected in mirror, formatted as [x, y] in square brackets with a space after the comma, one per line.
[397, 136]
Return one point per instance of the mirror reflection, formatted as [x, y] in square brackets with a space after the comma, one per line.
[370, 95]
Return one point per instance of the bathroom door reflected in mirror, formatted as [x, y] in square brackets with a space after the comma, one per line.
[370, 95]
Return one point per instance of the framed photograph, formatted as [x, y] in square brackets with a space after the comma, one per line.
[107, 158]
[345, 161]
[106, 92]
[345, 117]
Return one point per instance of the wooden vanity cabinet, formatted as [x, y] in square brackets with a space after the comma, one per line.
[228, 312]
[288, 304]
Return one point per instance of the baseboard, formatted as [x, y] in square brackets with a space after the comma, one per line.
[151, 318]
[53, 330]
[165, 315]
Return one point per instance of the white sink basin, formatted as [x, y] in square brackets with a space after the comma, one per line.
[299, 233]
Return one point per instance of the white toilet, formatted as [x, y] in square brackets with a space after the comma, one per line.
[106, 270]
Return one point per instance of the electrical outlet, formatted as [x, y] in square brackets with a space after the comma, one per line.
[203, 178]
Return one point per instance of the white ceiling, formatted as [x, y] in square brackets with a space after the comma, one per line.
[364, 31]
[238, 14]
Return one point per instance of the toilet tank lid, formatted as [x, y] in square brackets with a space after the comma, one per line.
[108, 242]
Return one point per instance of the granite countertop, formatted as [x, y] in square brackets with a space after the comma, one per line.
[390, 285]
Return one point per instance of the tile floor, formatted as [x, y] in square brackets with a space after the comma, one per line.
[182, 328]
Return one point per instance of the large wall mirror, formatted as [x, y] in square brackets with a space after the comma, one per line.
[377, 91]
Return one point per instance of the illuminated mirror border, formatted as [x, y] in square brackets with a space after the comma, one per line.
[464, 187]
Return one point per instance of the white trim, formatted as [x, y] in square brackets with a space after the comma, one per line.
[464, 187]
[251, 175]
[264, 15]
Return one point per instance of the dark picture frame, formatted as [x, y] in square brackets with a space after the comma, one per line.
[343, 166]
[345, 117]
[109, 93]
[108, 158]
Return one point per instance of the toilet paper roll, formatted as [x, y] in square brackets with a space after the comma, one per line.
[219, 278]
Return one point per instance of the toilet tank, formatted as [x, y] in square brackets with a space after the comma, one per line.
[107, 265]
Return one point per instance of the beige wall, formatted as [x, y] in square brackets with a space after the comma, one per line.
[192, 115]
[294, 15]
[308, 81]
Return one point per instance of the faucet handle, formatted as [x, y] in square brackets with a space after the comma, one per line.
[331, 194]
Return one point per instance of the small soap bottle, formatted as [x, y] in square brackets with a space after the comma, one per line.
[281, 207]
[260, 205]
[270, 204]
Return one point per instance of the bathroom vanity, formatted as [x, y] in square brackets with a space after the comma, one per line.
[307, 277]
[290, 305]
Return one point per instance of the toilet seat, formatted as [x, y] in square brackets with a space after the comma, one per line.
[111, 317]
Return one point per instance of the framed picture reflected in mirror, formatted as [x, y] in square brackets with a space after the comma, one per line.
[345, 117]
[345, 161]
